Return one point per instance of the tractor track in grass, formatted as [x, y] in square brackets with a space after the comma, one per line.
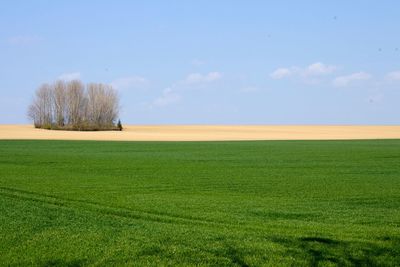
[104, 209]
[121, 212]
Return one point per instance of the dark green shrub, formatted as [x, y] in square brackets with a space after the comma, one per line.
[119, 125]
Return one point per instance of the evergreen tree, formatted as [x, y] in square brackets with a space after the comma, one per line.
[119, 125]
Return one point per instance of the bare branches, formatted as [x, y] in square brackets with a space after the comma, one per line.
[60, 103]
[69, 105]
[41, 110]
[102, 105]
[75, 95]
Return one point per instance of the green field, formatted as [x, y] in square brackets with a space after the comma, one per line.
[273, 203]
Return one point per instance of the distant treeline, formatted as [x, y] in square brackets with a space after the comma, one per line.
[74, 106]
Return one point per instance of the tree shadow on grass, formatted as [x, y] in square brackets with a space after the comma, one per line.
[321, 251]
[64, 263]
[236, 257]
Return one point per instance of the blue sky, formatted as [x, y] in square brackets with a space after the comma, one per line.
[210, 62]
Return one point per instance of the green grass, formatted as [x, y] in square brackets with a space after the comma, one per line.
[273, 203]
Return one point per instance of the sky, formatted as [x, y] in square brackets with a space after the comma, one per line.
[210, 62]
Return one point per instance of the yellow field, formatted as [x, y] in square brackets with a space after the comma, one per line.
[208, 133]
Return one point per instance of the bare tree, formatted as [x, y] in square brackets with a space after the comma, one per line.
[75, 99]
[60, 102]
[33, 114]
[111, 105]
[102, 105]
[93, 107]
[69, 105]
[41, 109]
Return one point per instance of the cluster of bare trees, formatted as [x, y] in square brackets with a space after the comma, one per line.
[74, 106]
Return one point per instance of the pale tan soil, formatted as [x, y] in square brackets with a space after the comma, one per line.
[208, 133]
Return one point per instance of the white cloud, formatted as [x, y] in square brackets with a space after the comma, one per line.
[393, 76]
[129, 82]
[70, 76]
[23, 40]
[319, 68]
[171, 95]
[168, 97]
[195, 78]
[343, 81]
[280, 73]
[313, 70]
